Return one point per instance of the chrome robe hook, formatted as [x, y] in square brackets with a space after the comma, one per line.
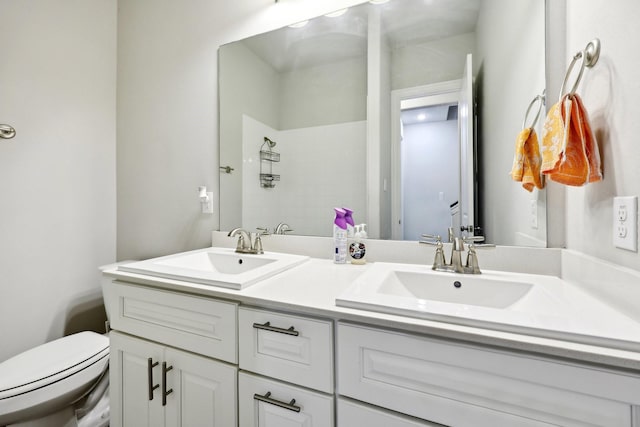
[7, 132]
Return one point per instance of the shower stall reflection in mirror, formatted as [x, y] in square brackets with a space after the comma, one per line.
[425, 159]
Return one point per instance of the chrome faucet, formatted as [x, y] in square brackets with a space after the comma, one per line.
[248, 243]
[457, 248]
[282, 228]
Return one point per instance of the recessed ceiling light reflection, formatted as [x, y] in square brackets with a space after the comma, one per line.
[299, 24]
[422, 116]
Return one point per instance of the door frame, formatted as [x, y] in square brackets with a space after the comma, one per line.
[446, 92]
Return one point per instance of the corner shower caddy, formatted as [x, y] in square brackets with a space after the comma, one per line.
[267, 158]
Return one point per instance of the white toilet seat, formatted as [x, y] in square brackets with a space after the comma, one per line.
[51, 375]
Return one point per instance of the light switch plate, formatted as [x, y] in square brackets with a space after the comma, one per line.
[625, 223]
[533, 212]
[207, 207]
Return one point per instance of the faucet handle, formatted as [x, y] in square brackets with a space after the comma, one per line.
[263, 231]
[472, 261]
[472, 258]
[436, 237]
[439, 263]
[257, 244]
[473, 239]
[240, 245]
[474, 242]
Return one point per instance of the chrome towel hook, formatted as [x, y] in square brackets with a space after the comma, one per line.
[7, 132]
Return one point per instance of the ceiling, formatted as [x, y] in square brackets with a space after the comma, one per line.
[403, 21]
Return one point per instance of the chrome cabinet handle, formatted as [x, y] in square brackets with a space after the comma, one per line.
[165, 392]
[152, 387]
[268, 399]
[267, 327]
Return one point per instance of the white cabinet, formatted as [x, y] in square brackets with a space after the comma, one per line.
[465, 385]
[154, 385]
[264, 402]
[352, 413]
[176, 380]
[289, 347]
[202, 325]
[184, 360]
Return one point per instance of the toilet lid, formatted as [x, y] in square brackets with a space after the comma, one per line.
[51, 362]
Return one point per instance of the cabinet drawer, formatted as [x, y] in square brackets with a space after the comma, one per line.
[201, 325]
[357, 414]
[465, 385]
[302, 355]
[265, 402]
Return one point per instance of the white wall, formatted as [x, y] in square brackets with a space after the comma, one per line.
[324, 94]
[509, 77]
[251, 86]
[609, 91]
[320, 167]
[167, 89]
[57, 176]
[302, 98]
[428, 152]
[167, 111]
[433, 62]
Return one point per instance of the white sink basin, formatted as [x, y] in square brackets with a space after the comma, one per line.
[216, 266]
[540, 305]
[457, 289]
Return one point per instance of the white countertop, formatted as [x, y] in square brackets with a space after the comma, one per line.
[311, 289]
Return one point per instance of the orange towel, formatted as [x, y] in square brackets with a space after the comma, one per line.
[527, 160]
[570, 152]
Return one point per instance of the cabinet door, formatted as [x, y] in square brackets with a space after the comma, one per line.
[268, 403]
[202, 325]
[466, 385]
[134, 366]
[357, 414]
[199, 391]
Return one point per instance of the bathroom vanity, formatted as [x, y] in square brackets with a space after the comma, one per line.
[281, 352]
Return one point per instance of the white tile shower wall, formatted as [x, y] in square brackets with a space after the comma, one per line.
[320, 167]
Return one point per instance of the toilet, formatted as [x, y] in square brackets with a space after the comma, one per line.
[62, 383]
[40, 386]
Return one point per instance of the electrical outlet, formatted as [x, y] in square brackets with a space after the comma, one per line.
[625, 223]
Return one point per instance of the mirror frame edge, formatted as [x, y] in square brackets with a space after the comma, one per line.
[555, 51]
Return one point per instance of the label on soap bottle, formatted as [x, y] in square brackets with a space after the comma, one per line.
[357, 252]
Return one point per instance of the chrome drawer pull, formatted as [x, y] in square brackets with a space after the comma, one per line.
[150, 366]
[165, 393]
[267, 327]
[267, 399]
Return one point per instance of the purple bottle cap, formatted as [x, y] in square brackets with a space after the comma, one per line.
[348, 216]
[340, 220]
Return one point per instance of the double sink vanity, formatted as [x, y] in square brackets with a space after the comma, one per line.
[543, 337]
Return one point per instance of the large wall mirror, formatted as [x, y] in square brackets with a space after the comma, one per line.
[364, 108]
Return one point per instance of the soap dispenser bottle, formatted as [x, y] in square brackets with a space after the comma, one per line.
[340, 237]
[358, 249]
[348, 216]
